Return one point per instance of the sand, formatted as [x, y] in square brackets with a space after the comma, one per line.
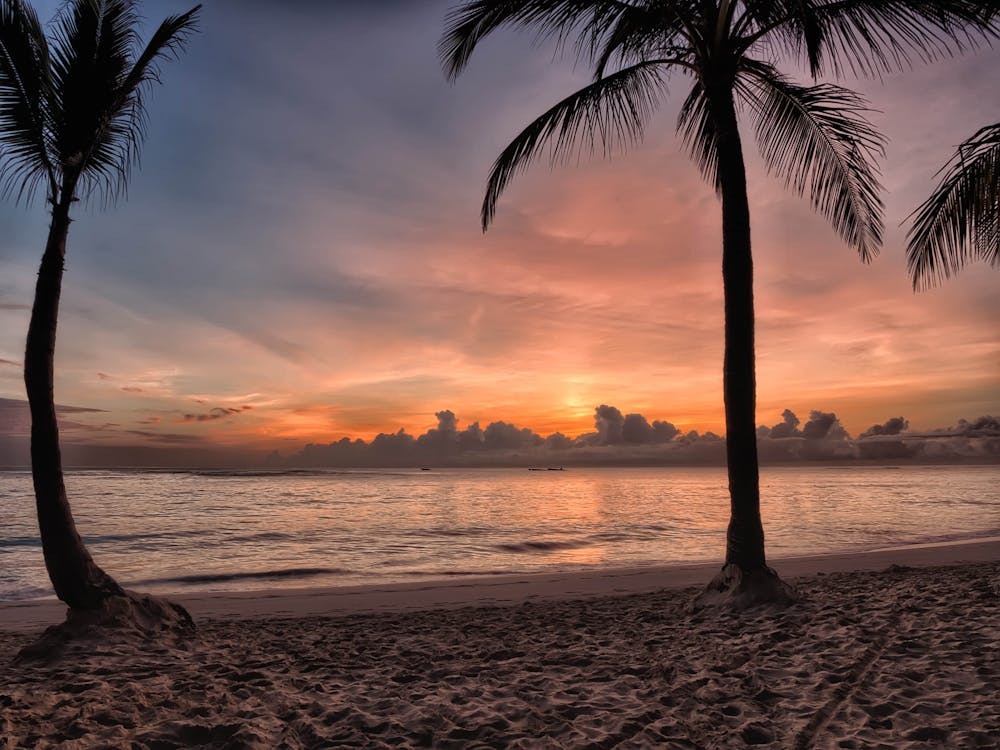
[872, 656]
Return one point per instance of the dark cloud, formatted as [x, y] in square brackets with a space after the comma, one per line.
[609, 423]
[166, 437]
[447, 421]
[558, 442]
[15, 417]
[823, 426]
[886, 450]
[822, 438]
[472, 438]
[63, 409]
[9, 363]
[503, 436]
[132, 389]
[442, 440]
[614, 428]
[392, 449]
[788, 427]
[219, 412]
[985, 426]
[664, 432]
[620, 439]
[892, 426]
[66, 425]
[631, 439]
[637, 430]
[692, 437]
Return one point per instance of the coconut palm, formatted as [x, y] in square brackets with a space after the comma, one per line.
[960, 221]
[72, 120]
[816, 138]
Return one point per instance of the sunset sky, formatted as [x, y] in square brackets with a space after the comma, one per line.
[300, 256]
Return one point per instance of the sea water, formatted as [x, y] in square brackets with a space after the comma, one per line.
[192, 530]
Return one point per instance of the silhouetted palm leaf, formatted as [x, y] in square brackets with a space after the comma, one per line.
[25, 86]
[818, 139]
[611, 111]
[167, 41]
[71, 110]
[658, 30]
[698, 130]
[466, 25]
[98, 119]
[868, 37]
[960, 221]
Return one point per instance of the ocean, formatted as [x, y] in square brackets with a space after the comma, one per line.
[163, 531]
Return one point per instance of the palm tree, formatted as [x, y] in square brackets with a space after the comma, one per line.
[816, 138]
[71, 121]
[960, 221]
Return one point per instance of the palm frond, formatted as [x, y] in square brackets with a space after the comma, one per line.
[611, 112]
[98, 117]
[129, 120]
[795, 24]
[92, 53]
[166, 43]
[960, 221]
[466, 25]
[874, 37]
[818, 139]
[661, 29]
[697, 129]
[25, 89]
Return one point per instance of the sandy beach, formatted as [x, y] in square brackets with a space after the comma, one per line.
[895, 648]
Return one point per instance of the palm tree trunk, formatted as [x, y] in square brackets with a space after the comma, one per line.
[745, 580]
[76, 578]
[745, 536]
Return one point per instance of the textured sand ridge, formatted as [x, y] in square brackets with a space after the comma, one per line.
[901, 658]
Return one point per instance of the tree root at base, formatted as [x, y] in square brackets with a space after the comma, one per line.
[128, 619]
[737, 589]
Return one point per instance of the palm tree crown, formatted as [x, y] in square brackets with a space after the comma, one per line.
[71, 107]
[960, 221]
[816, 138]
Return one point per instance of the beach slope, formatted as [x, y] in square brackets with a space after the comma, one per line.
[903, 656]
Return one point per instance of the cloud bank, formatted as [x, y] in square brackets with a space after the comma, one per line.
[617, 439]
[632, 439]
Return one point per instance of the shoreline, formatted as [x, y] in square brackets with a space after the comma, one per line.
[508, 589]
